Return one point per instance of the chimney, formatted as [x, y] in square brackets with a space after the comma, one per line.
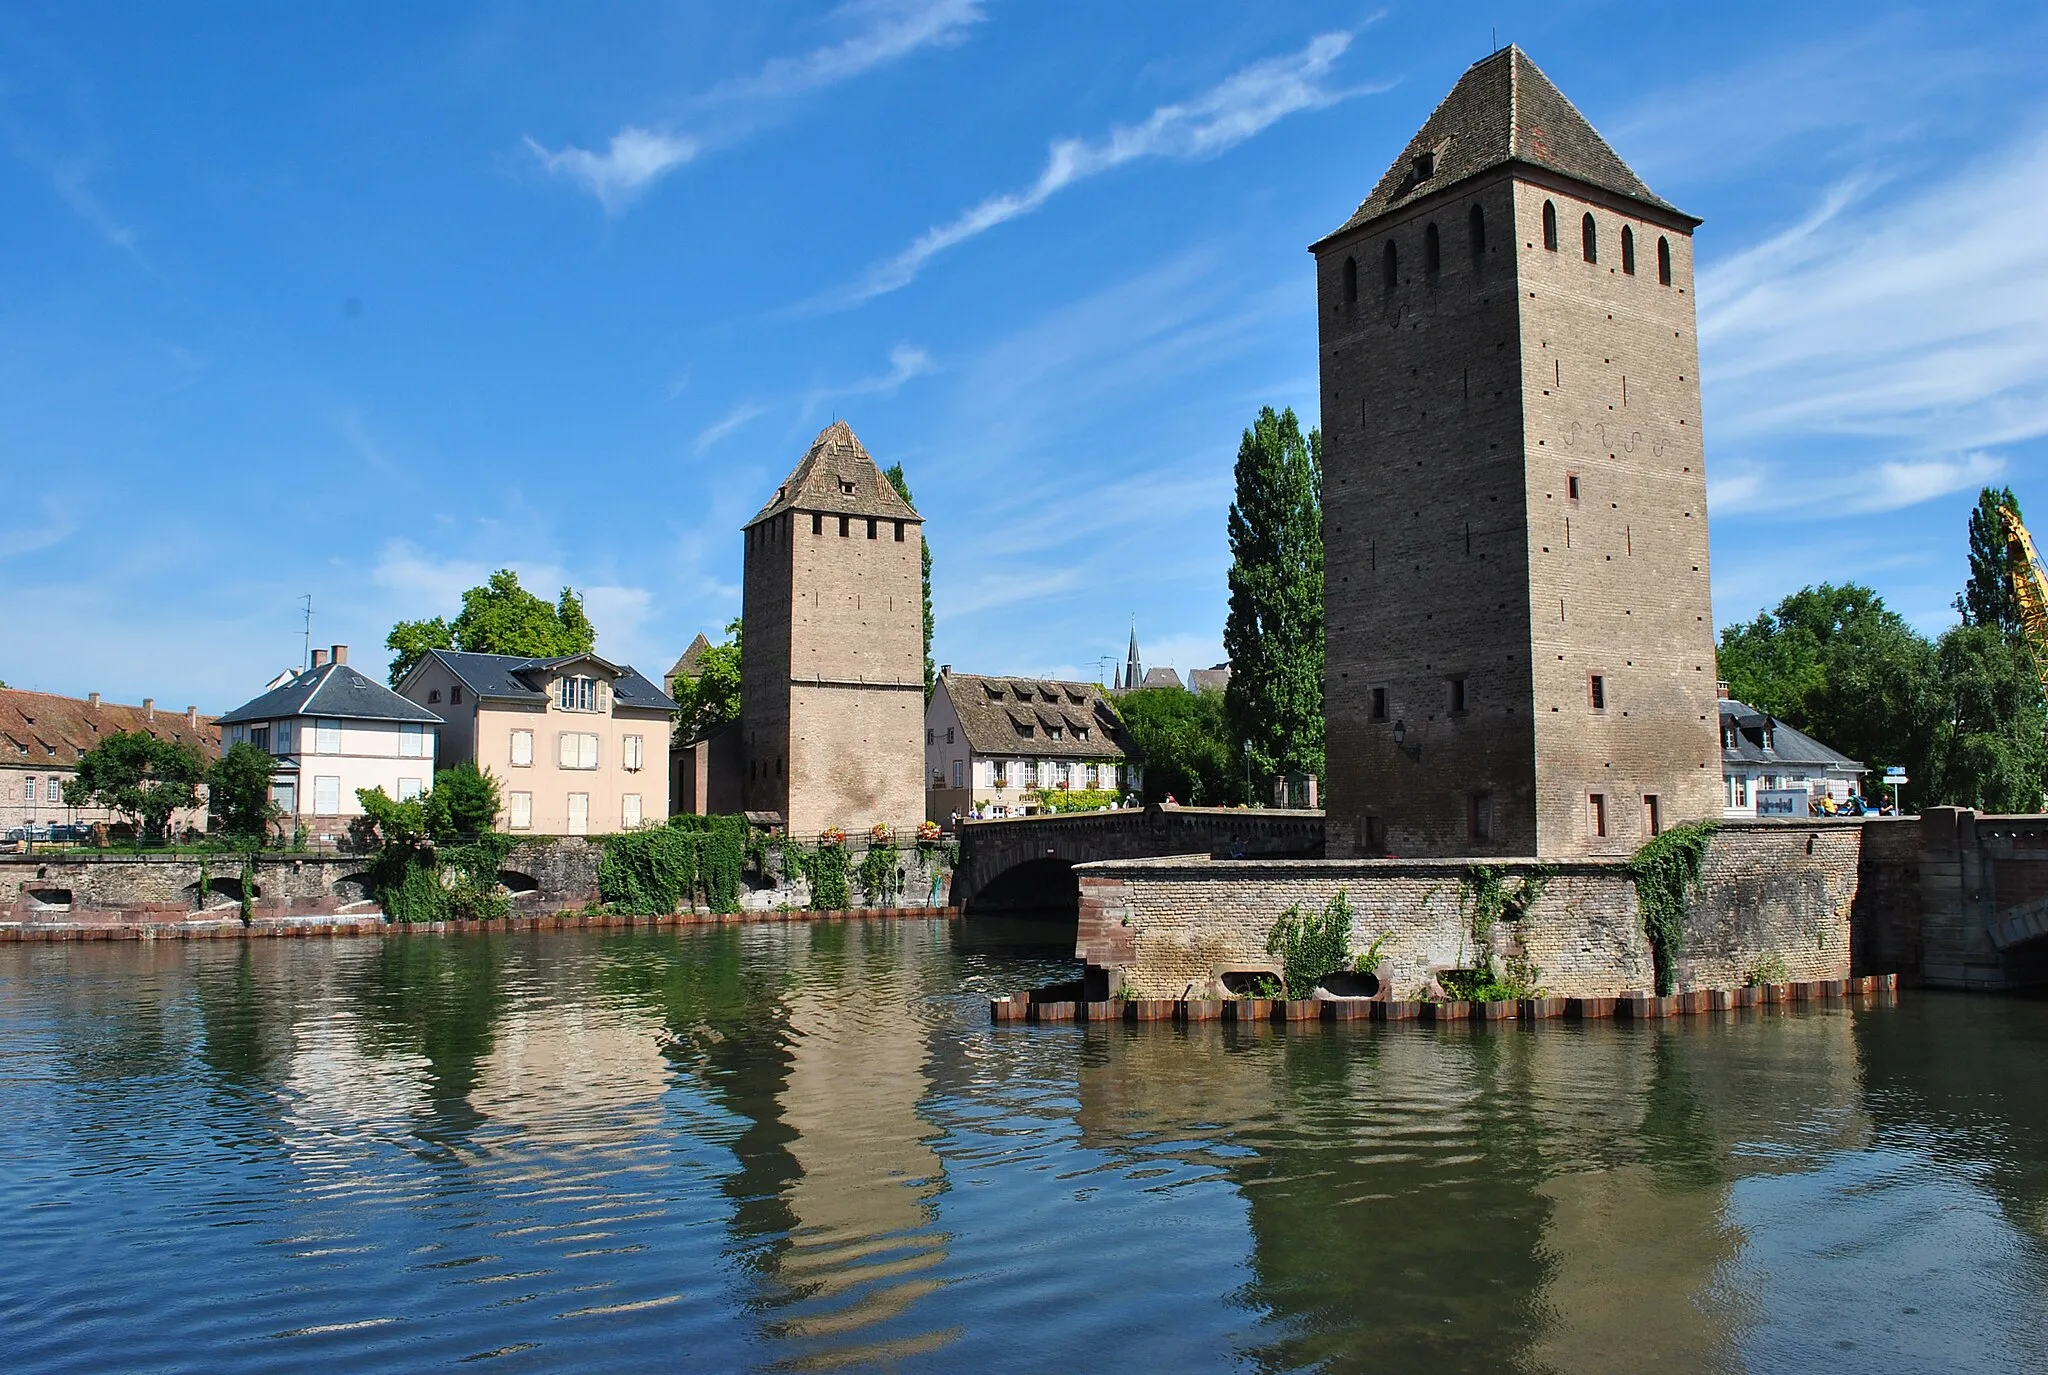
[149, 708]
[192, 717]
[1721, 689]
[341, 654]
[319, 658]
[945, 669]
[92, 699]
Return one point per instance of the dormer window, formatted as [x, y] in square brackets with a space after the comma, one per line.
[577, 694]
[1425, 164]
[1080, 732]
[1054, 733]
[845, 487]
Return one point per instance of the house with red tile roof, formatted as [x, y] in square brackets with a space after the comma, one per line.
[43, 736]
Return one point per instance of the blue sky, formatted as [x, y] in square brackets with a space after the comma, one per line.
[366, 301]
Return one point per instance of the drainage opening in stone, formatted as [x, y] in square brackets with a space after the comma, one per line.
[1345, 984]
[49, 897]
[519, 885]
[1250, 983]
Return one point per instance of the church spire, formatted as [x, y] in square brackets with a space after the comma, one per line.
[1134, 672]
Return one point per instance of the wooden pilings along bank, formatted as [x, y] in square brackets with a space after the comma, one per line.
[262, 927]
[1632, 1007]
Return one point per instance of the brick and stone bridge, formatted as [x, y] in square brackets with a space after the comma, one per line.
[1027, 863]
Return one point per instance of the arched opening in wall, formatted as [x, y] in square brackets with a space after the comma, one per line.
[1251, 983]
[1628, 250]
[1663, 261]
[1350, 280]
[1344, 984]
[1042, 890]
[519, 887]
[354, 888]
[1589, 238]
[219, 892]
[48, 899]
[1390, 266]
[1477, 220]
[1432, 252]
[1550, 226]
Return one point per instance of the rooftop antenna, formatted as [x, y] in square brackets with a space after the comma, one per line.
[306, 661]
[1495, 31]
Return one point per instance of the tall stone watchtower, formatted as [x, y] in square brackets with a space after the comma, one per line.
[1520, 656]
[832, 647]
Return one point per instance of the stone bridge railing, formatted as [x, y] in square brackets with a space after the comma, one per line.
[992, 850]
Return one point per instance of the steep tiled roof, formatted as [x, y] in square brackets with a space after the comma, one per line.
[508, 676]
[994, 713]
[41, 728]
[686, 665]
[1503, 110]
[1209, 679]
[1745, 726]
[819, 482]
[333, 690]
[1160, 677]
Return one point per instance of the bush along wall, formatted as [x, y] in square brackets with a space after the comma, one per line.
[655, 871]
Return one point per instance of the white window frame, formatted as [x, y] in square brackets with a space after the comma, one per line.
[522, 744]
[959, 773]
[408, 789]
[634, 753]
[326, 737]
[326, 795]
[570, 825]
[411, 740]
[629, 810]
[577, 749]
[519, 811]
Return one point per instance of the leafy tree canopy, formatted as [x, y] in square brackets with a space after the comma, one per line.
[463, 802]
[1988, 597]
[1991, 726]
[902, 486]
[712, 698]
[134, 774]
[501, 617]
[1181, 740]
[238, 789]
[1274, 631]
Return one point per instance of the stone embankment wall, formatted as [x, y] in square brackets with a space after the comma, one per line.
[1772, 894]
[540, 876]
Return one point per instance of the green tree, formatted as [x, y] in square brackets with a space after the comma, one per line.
[134, 774]
[902, 486]
[1181, 740]
[501, 617]
[238, 790]
[712, 698]
[1988, 597]
[1274, 631]
[462, 802]
[1990, 742]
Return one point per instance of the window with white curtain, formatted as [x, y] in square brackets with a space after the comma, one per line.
[522, 749]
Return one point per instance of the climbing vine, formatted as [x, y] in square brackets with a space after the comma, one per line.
[1311, 946]
[1484, 896]
[879, 877]
[825, 869]
[1667, 872]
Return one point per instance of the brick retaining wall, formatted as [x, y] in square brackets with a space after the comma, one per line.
[1172, 927]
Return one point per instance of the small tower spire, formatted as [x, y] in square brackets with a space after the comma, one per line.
[1134, 672]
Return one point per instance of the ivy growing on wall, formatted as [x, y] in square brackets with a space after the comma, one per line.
[880, 879]
[1667, 873]
[652, 872]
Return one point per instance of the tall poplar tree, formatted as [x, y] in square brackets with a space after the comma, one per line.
[1274, 633]
[902, 486]
[1988, 597]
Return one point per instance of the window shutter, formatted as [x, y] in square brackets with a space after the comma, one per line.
[567, 759]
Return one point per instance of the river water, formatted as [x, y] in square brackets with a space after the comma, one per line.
[804, 1147]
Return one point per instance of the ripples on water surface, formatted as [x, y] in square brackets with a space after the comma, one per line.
[804, 1147]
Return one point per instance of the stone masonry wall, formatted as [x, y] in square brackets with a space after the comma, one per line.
[1768, 889]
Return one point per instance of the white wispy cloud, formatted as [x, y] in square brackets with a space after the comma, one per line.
[726, 424]
[1851, 490]
[55, 526]
[905, 362]
[636, 158]
[889, 29]
[1237, 108]
[884, 31]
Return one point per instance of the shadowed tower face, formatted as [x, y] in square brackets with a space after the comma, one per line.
[1520, 654]
[832, 656]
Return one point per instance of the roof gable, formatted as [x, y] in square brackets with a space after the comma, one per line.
[331, 690]
[837, 475]
[995, 715]
[508, 677]
[1503, 110]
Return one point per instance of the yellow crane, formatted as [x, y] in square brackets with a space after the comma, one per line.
[2030, 587]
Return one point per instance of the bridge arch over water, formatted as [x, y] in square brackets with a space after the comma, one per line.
[1027, 863]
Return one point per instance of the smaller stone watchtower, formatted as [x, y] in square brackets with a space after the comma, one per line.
[832, 647]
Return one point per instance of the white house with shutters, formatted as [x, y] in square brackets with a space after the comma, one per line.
[332, 730]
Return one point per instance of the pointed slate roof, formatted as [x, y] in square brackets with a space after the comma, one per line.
[819, 482]
[334, 690]
[688, 663]
[1503, 110]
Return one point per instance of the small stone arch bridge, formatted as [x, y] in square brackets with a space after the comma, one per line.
[1027, 863]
